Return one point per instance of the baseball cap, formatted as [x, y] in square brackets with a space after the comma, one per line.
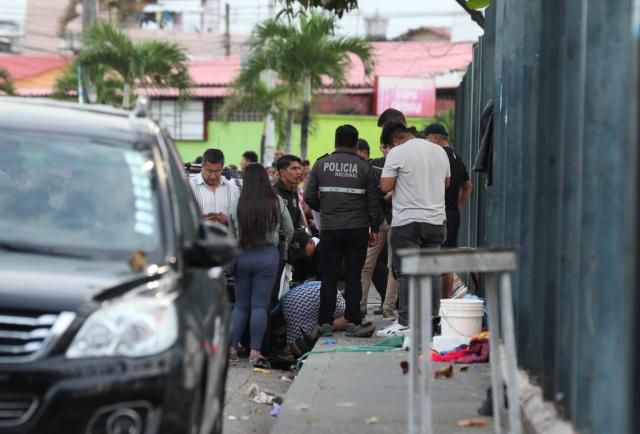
[436, 129]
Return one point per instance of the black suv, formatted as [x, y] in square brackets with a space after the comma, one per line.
[113, 309]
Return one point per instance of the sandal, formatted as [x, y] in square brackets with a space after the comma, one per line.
[259, 362]
[233, 356]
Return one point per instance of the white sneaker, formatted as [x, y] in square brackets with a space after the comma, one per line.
[395, 329]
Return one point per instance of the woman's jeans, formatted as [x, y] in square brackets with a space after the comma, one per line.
[255, 276]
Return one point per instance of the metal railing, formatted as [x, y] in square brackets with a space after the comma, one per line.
[496, 264]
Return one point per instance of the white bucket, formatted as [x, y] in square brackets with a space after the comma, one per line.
[461, 317]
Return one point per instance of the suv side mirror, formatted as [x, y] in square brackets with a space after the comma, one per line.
[214, 248]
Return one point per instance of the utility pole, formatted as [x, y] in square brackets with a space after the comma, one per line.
[268, 77]
[89, 13]
[272, 8]
[203, 5]
[227, 31]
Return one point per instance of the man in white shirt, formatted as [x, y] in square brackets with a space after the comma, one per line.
[213, 191]
[418, 173]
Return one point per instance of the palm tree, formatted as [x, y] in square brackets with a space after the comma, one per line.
[106, 83]
[255, 96]
[303, 51]
[146, 64]
[252, 94]
[6, 84]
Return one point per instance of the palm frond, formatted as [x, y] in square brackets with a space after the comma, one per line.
[6, 83]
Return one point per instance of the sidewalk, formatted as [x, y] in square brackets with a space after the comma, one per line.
[359, 392]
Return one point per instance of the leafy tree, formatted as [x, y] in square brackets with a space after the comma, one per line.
[6, 83]
[254, 95]
[158, 64]
[105, 82]
[303, 51]
[339, 7]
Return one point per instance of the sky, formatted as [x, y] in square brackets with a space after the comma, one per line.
[402, 14]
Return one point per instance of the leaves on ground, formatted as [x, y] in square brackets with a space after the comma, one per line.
[444, 372]
[474, 422]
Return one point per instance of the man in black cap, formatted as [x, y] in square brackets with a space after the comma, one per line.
[456, 196]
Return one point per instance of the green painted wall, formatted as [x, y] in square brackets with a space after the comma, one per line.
[234, 138]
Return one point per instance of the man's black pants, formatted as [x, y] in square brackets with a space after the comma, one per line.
[349, 245]
[413, 235]
[453, 227]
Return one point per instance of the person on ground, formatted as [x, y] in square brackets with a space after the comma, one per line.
[213, 192]
[343, 188]
[301, 306]
[455, 197]
[255, 218]
[418, 173]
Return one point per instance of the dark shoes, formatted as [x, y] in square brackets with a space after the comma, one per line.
[359, 331]
[326, 330]
[378, 311]
[259, 362]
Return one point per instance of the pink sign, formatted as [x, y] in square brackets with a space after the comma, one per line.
[413, 96]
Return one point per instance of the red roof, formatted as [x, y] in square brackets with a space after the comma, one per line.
[21, 67]
[405, 59]
[211, 77]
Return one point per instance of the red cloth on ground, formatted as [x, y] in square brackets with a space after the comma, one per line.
[477, 352]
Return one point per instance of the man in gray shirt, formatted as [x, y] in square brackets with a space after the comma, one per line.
[418, 173]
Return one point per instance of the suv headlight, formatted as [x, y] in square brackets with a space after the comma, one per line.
[135, 326]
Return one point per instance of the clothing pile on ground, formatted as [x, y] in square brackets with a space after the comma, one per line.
[476, 352]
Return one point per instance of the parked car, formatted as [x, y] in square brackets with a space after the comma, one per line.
[113, 308]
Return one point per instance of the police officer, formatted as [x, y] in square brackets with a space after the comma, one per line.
[342, 187]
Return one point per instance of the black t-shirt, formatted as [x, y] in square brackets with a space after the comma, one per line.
[459, 175]
[378, 164]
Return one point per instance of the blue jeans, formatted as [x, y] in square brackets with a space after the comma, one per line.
[254, 278]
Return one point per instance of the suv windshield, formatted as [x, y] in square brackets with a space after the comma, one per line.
[77, 196]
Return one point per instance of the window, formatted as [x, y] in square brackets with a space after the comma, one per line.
[184, 122]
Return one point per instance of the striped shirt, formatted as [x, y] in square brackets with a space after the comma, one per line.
[211, 201]
[272, 239]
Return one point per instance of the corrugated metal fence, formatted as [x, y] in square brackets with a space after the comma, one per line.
[563, 78]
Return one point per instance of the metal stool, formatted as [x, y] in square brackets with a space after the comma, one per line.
[497, 263]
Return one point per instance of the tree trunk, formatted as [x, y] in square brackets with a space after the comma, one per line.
[126, 96]
[306, 110]
[287, 133]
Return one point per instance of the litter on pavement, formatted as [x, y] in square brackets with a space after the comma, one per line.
[446, 372]
[276, 410]
[475, 422]
[372, 420]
